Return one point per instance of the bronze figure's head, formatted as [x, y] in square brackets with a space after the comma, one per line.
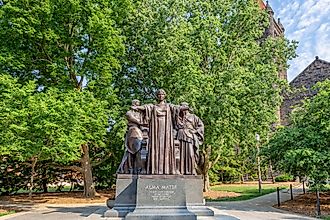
[184, 104]
[135, 102]
[161, 94]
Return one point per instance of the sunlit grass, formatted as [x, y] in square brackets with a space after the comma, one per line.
[246, 191]
[7, 213]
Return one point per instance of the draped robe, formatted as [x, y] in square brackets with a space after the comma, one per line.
[161, 154]
[191, 136]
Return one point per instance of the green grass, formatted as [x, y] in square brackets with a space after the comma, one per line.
[326, 218]
[7, 213]
[246, 191]
[50, 189]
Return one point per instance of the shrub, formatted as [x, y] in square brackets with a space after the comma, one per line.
[284, 178]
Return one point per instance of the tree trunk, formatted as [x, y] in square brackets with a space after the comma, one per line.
[89, 187]
[203, 168]
[205, 165]
[259, 169]
[206, 179]
[33, 173]
[44, 180]
[271, 171]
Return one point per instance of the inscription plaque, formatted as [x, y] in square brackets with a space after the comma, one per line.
[161, 192]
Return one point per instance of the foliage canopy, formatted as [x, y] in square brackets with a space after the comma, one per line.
[302, 149]
[213, 55]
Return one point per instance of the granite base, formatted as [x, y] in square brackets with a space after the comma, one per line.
[158, 197]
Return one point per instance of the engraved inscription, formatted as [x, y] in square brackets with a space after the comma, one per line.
[161, 192]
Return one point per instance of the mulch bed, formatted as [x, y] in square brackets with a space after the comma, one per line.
[9, 202]
[219, 194]
[306, 204]
[58, 198]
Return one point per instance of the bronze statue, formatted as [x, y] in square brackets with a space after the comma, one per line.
[161, 158]
[166, 125]
[131, 162]
[190, 135]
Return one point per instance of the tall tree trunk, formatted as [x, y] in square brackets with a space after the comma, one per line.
[259, 169]
[44, 180]
[206, 178]
[205, 165]
[33, 173]
[271, 171]
[203, 168]
[89, 187]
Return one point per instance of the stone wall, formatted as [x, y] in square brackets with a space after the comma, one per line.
[302, 86]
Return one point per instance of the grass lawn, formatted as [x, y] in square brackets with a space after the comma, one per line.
[3, 213]
[244, 191]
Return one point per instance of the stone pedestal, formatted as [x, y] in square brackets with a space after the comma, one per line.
[158, 197]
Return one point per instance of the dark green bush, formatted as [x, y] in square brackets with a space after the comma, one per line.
[284, 178]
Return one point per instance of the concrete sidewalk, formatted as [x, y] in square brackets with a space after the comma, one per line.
[257, 208]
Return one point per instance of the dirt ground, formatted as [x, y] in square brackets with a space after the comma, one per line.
[77, 197]
[303, 204]
[52, 198]
[306, 204]
[220, 194]
[74, 198]
[58, 198]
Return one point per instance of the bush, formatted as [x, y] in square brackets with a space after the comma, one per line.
[284, 178]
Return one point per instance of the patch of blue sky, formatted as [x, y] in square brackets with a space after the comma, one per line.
[308, 22]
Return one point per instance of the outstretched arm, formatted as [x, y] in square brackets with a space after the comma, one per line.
[130, 117]
[184, 108]
[139, 108]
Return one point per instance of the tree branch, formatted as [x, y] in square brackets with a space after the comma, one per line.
[73, 168]
[101, 161]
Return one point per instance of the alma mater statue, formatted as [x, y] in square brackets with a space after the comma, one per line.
[167, 123]
[162, 142]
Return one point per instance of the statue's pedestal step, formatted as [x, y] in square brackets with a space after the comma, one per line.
[158, 197]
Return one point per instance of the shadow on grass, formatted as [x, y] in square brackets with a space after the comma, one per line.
[7, 213]
[246, 194]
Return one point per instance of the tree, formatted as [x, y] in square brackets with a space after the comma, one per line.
[211, 55]
[51, 125]
[302, 148]
[65, 46]
[61, 43]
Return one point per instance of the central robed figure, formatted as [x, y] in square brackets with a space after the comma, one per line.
[169, 124]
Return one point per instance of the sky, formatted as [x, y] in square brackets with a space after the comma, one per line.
[308, 22]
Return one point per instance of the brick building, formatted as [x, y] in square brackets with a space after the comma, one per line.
[275, 26]
[275, 29]
[302, 85]
[317, 71]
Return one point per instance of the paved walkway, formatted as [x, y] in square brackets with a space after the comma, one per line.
[254, 209]
[257, 208]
